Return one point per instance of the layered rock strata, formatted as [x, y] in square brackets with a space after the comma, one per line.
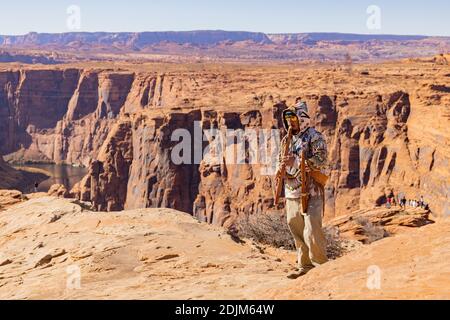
[391, 134]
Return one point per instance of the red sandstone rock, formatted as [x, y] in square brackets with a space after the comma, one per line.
[9, 198]
[386, 132]
[58, 190]
[370, 225]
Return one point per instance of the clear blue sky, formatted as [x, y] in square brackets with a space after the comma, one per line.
[428, 17]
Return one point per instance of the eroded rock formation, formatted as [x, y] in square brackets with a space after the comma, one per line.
[58, 190]
[386, 130]
[60, 116]
[9, 198]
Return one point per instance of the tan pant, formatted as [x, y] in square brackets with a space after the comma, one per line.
[306, 229]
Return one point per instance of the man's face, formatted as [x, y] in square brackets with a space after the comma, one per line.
[294, 124]
[297, 124]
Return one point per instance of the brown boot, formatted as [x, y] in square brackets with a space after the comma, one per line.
[301, 272]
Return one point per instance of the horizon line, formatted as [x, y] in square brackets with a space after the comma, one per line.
[223, 30]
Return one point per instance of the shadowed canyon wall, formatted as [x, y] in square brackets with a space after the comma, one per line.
[120, 125]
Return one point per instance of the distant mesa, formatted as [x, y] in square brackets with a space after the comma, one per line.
[203, 37]
[140, 39]
[233, 44]
[7, 57]
[313, 38]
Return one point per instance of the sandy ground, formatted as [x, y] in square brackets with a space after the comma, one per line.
[54, 249]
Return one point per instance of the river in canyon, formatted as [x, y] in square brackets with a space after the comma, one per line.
[58, 174]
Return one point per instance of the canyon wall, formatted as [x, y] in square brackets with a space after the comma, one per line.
[120, 125]
[60, 116]
[370, 151]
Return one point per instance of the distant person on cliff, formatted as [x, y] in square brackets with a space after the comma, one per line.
[36, 186]
[391, 199]
[403, 202]
[388, 202]
[421, 202]
[304, 224]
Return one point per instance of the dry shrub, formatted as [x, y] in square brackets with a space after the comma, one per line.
[335, 248]
[272, 229]
[372, 231]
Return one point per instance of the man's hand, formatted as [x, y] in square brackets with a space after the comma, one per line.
[288, 161]
[309, 167]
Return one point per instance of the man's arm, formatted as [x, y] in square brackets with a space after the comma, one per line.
[317, 155]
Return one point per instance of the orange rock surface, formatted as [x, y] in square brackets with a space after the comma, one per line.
[164, 254]
[386, 126]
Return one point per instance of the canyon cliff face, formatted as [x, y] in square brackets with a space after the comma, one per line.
[389, 134]
[60, 116]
